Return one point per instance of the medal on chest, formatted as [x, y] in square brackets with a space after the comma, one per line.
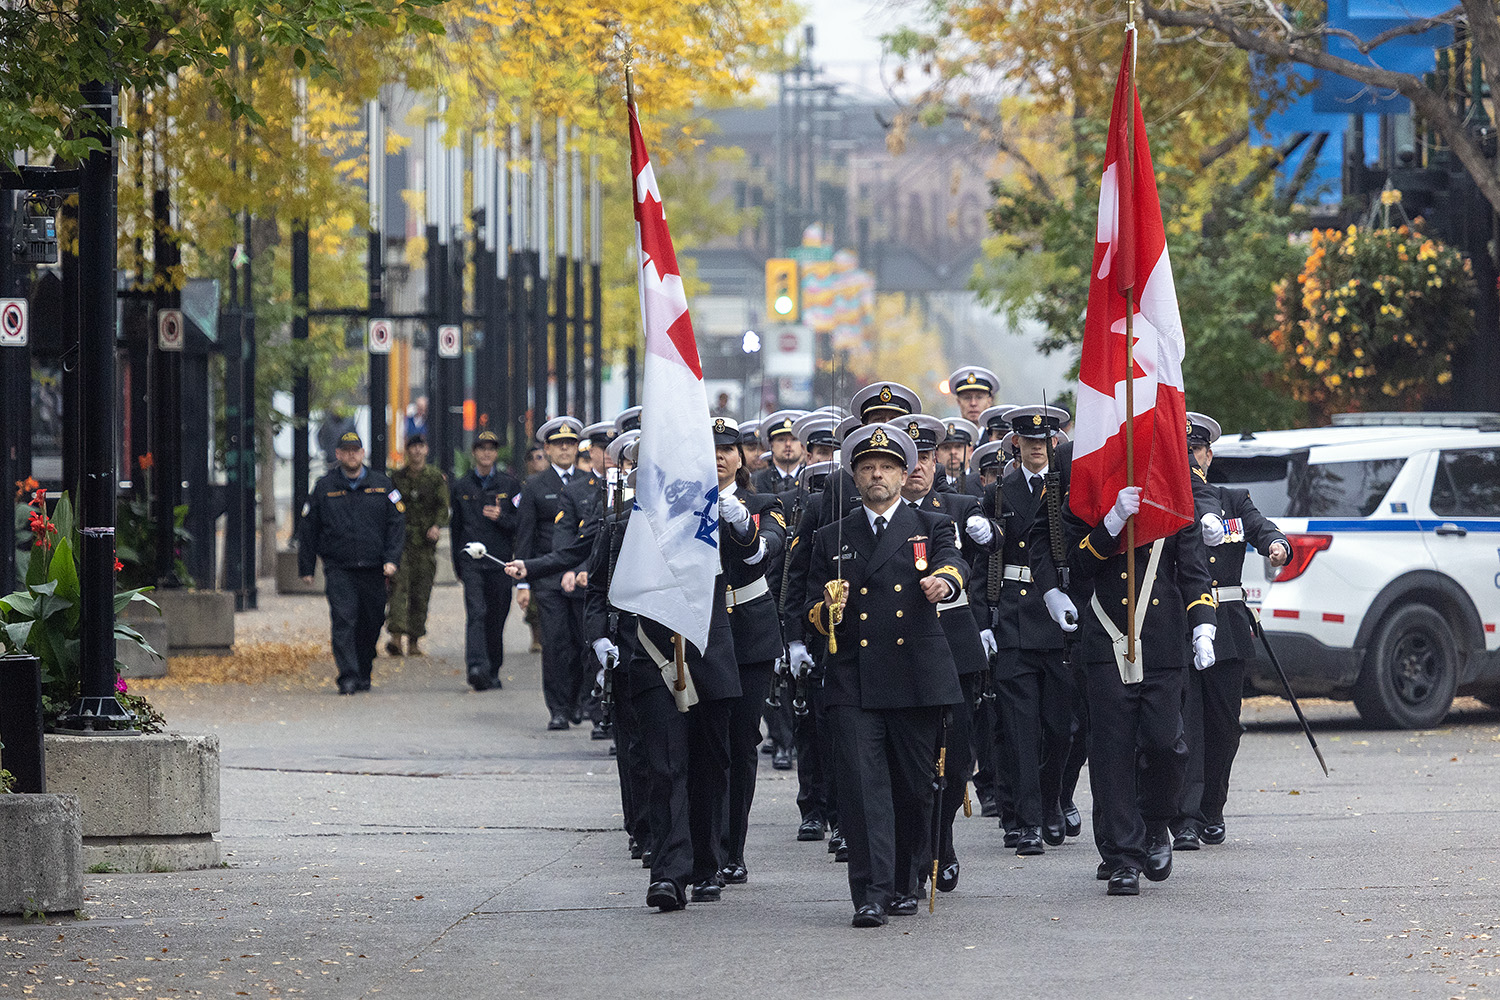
[919, 553]
[1234, 529]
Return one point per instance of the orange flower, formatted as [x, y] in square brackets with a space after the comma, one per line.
[145, 461]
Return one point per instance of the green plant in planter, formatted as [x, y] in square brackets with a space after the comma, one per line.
[43, 617]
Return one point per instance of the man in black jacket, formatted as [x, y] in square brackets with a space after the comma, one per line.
[484, 511]
[355, 521]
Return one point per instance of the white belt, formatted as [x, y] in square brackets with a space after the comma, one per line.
[747, 593]
[1131, 672]
[1019, 573]
[961, 601]
[688, 696]
[1222, 594]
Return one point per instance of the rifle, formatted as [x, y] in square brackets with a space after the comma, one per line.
[995, 570]
[780, 681]
[1052, 492]
[612, 617]
[939, 784]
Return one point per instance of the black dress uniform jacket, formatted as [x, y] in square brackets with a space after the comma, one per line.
[962, 624]
[539, 511]
[772, 480]
[755, 623]
[580, 506]
[892, 651]
[338, 520]
[1236, 635]
[821, 509]
[1023, 619]
[471, 495]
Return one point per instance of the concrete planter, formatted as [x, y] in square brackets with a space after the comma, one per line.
[149, 802]
[199, 622]
[287, 580]
[41, 853]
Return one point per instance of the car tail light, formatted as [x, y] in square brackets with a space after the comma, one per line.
[1304, 547]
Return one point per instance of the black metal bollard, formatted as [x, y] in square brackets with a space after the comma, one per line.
[21, 721]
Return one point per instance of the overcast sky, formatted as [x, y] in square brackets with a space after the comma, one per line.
[847, 38]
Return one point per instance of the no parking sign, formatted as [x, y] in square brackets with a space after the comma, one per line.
[380, 336]
[450, 342]
[13, 322]
[169, 330]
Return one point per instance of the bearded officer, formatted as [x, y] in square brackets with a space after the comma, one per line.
[561, 607]
[878, 575]
[974, 388]
[355, 522]
[1211, 713]
[1137, 757]
[777, 431]
[978, 536]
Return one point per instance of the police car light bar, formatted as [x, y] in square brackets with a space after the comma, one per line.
[1477, 420]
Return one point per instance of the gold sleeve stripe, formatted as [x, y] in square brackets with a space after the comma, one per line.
[795, 540]
[1086, 544]
[1205, 599]
[779, 519]
[815, 618]
[951, 571]
[558, 518]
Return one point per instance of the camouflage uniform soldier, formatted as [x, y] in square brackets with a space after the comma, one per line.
[425, 493]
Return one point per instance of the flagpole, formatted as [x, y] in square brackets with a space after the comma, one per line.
[1130, 341]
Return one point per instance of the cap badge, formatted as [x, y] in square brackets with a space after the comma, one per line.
[885, 394]
[914, 429]
[879, 440]
[972, 379]
[1036, 421]
[719, 426]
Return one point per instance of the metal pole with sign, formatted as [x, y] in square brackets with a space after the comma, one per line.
[375, 274]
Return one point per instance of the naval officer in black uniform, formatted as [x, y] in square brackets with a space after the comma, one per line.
[355, 521]
[1211, 713]
[877, 576]
[780, 474]
[1137, 757]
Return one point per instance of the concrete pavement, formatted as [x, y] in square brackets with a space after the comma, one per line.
[427, 841]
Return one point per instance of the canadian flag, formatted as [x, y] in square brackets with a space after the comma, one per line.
[671, 549]
[1130, 256]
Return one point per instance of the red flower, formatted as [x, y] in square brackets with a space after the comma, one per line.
[145, 461]
[118, 565]
[39, 499]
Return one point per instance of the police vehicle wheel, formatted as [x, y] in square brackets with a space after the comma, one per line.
[1410, 672]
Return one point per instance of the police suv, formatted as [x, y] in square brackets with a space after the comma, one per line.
[1391, 596]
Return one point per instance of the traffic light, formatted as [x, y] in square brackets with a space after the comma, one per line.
[781, 290]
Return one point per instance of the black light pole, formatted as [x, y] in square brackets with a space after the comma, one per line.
[537, 272]
[580, 372]
[560, 270]
[166, 369]
[12, 357]
[301, 299]
[596, 289]
[452, 368]
[515, 300]
[375, 274]
[100, 481]
[435, 176]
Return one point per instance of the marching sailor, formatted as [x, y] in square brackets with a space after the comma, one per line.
[974, 388]
[777, 431]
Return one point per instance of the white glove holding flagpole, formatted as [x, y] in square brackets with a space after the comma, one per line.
[1127, 504]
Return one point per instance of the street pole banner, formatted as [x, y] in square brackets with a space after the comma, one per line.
[672, 542]
[13, 322]
[380, 336]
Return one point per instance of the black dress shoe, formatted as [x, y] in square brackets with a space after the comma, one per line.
[646, 858]
[735, 873]
[842, 854]
[665, 896]
[811, 829]
[558, 721]
[1186, 839]
[1012, 838]
[706, 892]
[347, 685]
[781, 760]
[1159, 854]
[601, 732]
[1124, 882]
[1072, 820]
[1103, 872]
[869, 915]
[947, 879]
[479, 680]
[636, 850]
[1213, 833]
[1052, 830]
[576, 718]
[495, 684]
[835, 841]
[363, 684]
[903, 905]
[1029, 842]
[987, 807]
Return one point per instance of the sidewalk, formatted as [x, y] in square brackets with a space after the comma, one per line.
[426, 841]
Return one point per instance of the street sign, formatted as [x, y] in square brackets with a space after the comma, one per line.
[380, 336]
[12, 322]
[793, 355]
[450, 342]
[169, 327]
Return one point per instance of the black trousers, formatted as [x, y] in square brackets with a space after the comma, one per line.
[1211, 721]
[780, 725]
[1036, 695]
[486, 606]
[884, 764]
[356, 611]
[1078, 746]
[986, 748]
[959, 766]
[744, 754]
[687, 755]
[630, 761]
[1137, 757]
[815, 798]
[562, 649]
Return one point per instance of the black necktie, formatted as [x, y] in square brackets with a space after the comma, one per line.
[879, 526]
[566, 477]
[1036, 486]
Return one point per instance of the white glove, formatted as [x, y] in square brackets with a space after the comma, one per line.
[801, 660]
[987, 640]
[476, 550]
[1127, 504]
[603, 649]
[1213, 530]
[1062, 609]
[599, 680]
[760, 553]
[733, 512]
[1203, 645]
[979, 529]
